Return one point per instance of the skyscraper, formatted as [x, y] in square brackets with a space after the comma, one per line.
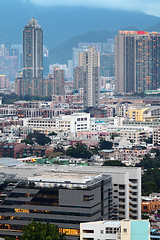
[89, 60]
[137, 58]
[32, 50]
[32, 80]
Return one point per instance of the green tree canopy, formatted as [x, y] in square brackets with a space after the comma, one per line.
[103, 144]
[151, 181]
[39, 231]
[149, 162]
[79, 151]
[52, 134]
[40, 138]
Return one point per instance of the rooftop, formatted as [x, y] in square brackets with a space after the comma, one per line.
[69, 180]
[26, 171]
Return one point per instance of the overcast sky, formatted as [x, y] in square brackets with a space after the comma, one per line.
[148, 6]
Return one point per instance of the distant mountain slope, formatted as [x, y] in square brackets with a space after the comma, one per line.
[63, 23]
[155, 28]
[63, 52]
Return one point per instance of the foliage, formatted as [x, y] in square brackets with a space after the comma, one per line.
[79, 151]
[40, 138]
[95, 150]
[157, 151]
[39, 231]
[148, 140]
[114, 163]
[54, 155]
[11, 98]
[105, 144]
[144, 216]
[114, 135]
[52, 134]
[59, 148]
[28, 141]
[9, 238]
[151, 181]
[149, 162]
[58, 151]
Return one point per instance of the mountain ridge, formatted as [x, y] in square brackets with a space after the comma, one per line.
[63, 23]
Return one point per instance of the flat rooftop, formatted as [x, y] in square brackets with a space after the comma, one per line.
[25, 171]
[60, 178]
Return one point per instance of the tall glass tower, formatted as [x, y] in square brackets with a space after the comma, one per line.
[32, 50]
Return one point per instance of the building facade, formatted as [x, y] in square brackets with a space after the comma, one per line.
[126, 183]
[137, 58]
[32, 50]
[116, 230]
[32, 81]
[89, 60]
[58, 198]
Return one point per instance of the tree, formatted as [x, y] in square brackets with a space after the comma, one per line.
[114, 163]
[52, 134]
[39, 231]
[105, 144]
[28, 141]
[148, 140]
[150, 181]
[79, 151]
[149, 162]
[40, 138]
[113, 135]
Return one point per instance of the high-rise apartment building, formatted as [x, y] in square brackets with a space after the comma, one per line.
[78, 78]
[107, 65]
[137, 57]
[89, 60]
[32, 81]
[58, 87]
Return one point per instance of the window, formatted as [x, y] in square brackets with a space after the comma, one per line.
[88, 231]
[87, 198]
[109, 230]
[124, 230]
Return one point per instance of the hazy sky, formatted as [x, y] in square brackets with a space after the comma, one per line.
[148, 6]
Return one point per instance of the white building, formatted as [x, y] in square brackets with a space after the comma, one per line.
[156, 136]
[115, 230]
[102, 230]
[74, 123]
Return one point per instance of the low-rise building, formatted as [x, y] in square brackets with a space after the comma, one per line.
[77, 122]
[116, 230]
[150, 204]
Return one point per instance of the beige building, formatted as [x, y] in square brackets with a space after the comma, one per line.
[137, 113]
[135, 136]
